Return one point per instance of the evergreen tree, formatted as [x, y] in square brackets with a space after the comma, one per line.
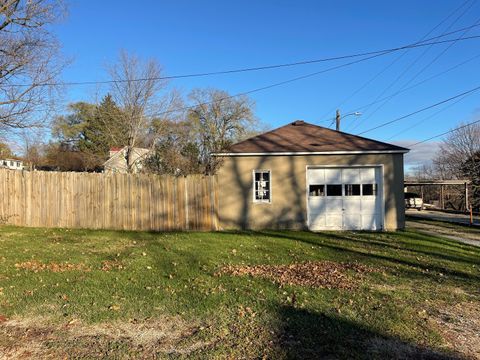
[103, 130]
[90, 131]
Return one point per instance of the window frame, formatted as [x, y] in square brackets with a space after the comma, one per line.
[348, 190]
[262, 201]
[374, 189]
[334, 184]
[324, 190]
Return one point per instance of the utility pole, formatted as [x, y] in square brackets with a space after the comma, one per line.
[338, 117]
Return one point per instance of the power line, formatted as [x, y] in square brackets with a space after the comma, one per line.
[400, 56]
[421, 110]
[248, 92]
[304, 76]
[418, 83]
[429, 117]
[445, 133]
[285, 82]
[426, 42]
[438, 112]
[421, 70]
[405, 71]
[259, 89]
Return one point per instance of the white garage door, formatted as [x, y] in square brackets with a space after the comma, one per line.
[345, 198]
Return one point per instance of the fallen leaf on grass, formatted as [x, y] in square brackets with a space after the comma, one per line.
[72, 322]
[322, 274]
[36, 266]
[108, 265]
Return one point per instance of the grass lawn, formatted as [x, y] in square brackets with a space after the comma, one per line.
[84, 294]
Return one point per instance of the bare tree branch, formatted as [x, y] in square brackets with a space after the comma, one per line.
[137, 99]
[29, 61]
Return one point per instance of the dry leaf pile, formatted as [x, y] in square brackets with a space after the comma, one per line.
[319, 274]
[36, 266]
[108, 265]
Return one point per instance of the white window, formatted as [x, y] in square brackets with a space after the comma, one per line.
[262, 190]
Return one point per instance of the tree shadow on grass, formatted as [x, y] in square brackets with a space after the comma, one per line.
[394, 258]
[308, 335]
[432, 251]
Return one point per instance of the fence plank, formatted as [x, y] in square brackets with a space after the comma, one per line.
[114, 201]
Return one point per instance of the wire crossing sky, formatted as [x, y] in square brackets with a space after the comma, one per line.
[191, 39]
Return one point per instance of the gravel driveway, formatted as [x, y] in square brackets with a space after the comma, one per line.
[443, 216]
[464, 235]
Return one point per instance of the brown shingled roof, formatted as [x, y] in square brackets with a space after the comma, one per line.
[300, 136]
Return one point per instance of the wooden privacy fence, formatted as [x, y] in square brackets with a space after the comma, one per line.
[108, 201]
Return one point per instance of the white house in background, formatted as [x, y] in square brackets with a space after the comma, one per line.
[117, 162]
[12, 164]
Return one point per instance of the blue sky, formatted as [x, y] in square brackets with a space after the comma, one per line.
[198, 36]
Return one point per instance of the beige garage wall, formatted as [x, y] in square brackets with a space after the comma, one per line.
[287, 209]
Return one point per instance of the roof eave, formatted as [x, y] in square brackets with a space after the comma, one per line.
[339, 152]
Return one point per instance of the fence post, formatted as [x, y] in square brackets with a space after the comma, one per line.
[186, 204]
[466, 196]
[471, 215]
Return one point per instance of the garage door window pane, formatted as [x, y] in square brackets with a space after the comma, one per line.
[316, 190]
[352, 189]
[369, 189]
[334, 190]
[261, 186]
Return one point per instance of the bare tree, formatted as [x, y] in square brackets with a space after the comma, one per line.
[141, 94]
[220, 120]
[458, 147]
[29, 61]
[30, 145]
[176, 151]
[459, 158]
[5, 151]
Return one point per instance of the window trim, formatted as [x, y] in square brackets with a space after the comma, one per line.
[374, 188]
[324, 190]
[334, 184]
[262, 201]
[346, 190]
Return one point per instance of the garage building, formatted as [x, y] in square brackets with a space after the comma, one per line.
[304, 176]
